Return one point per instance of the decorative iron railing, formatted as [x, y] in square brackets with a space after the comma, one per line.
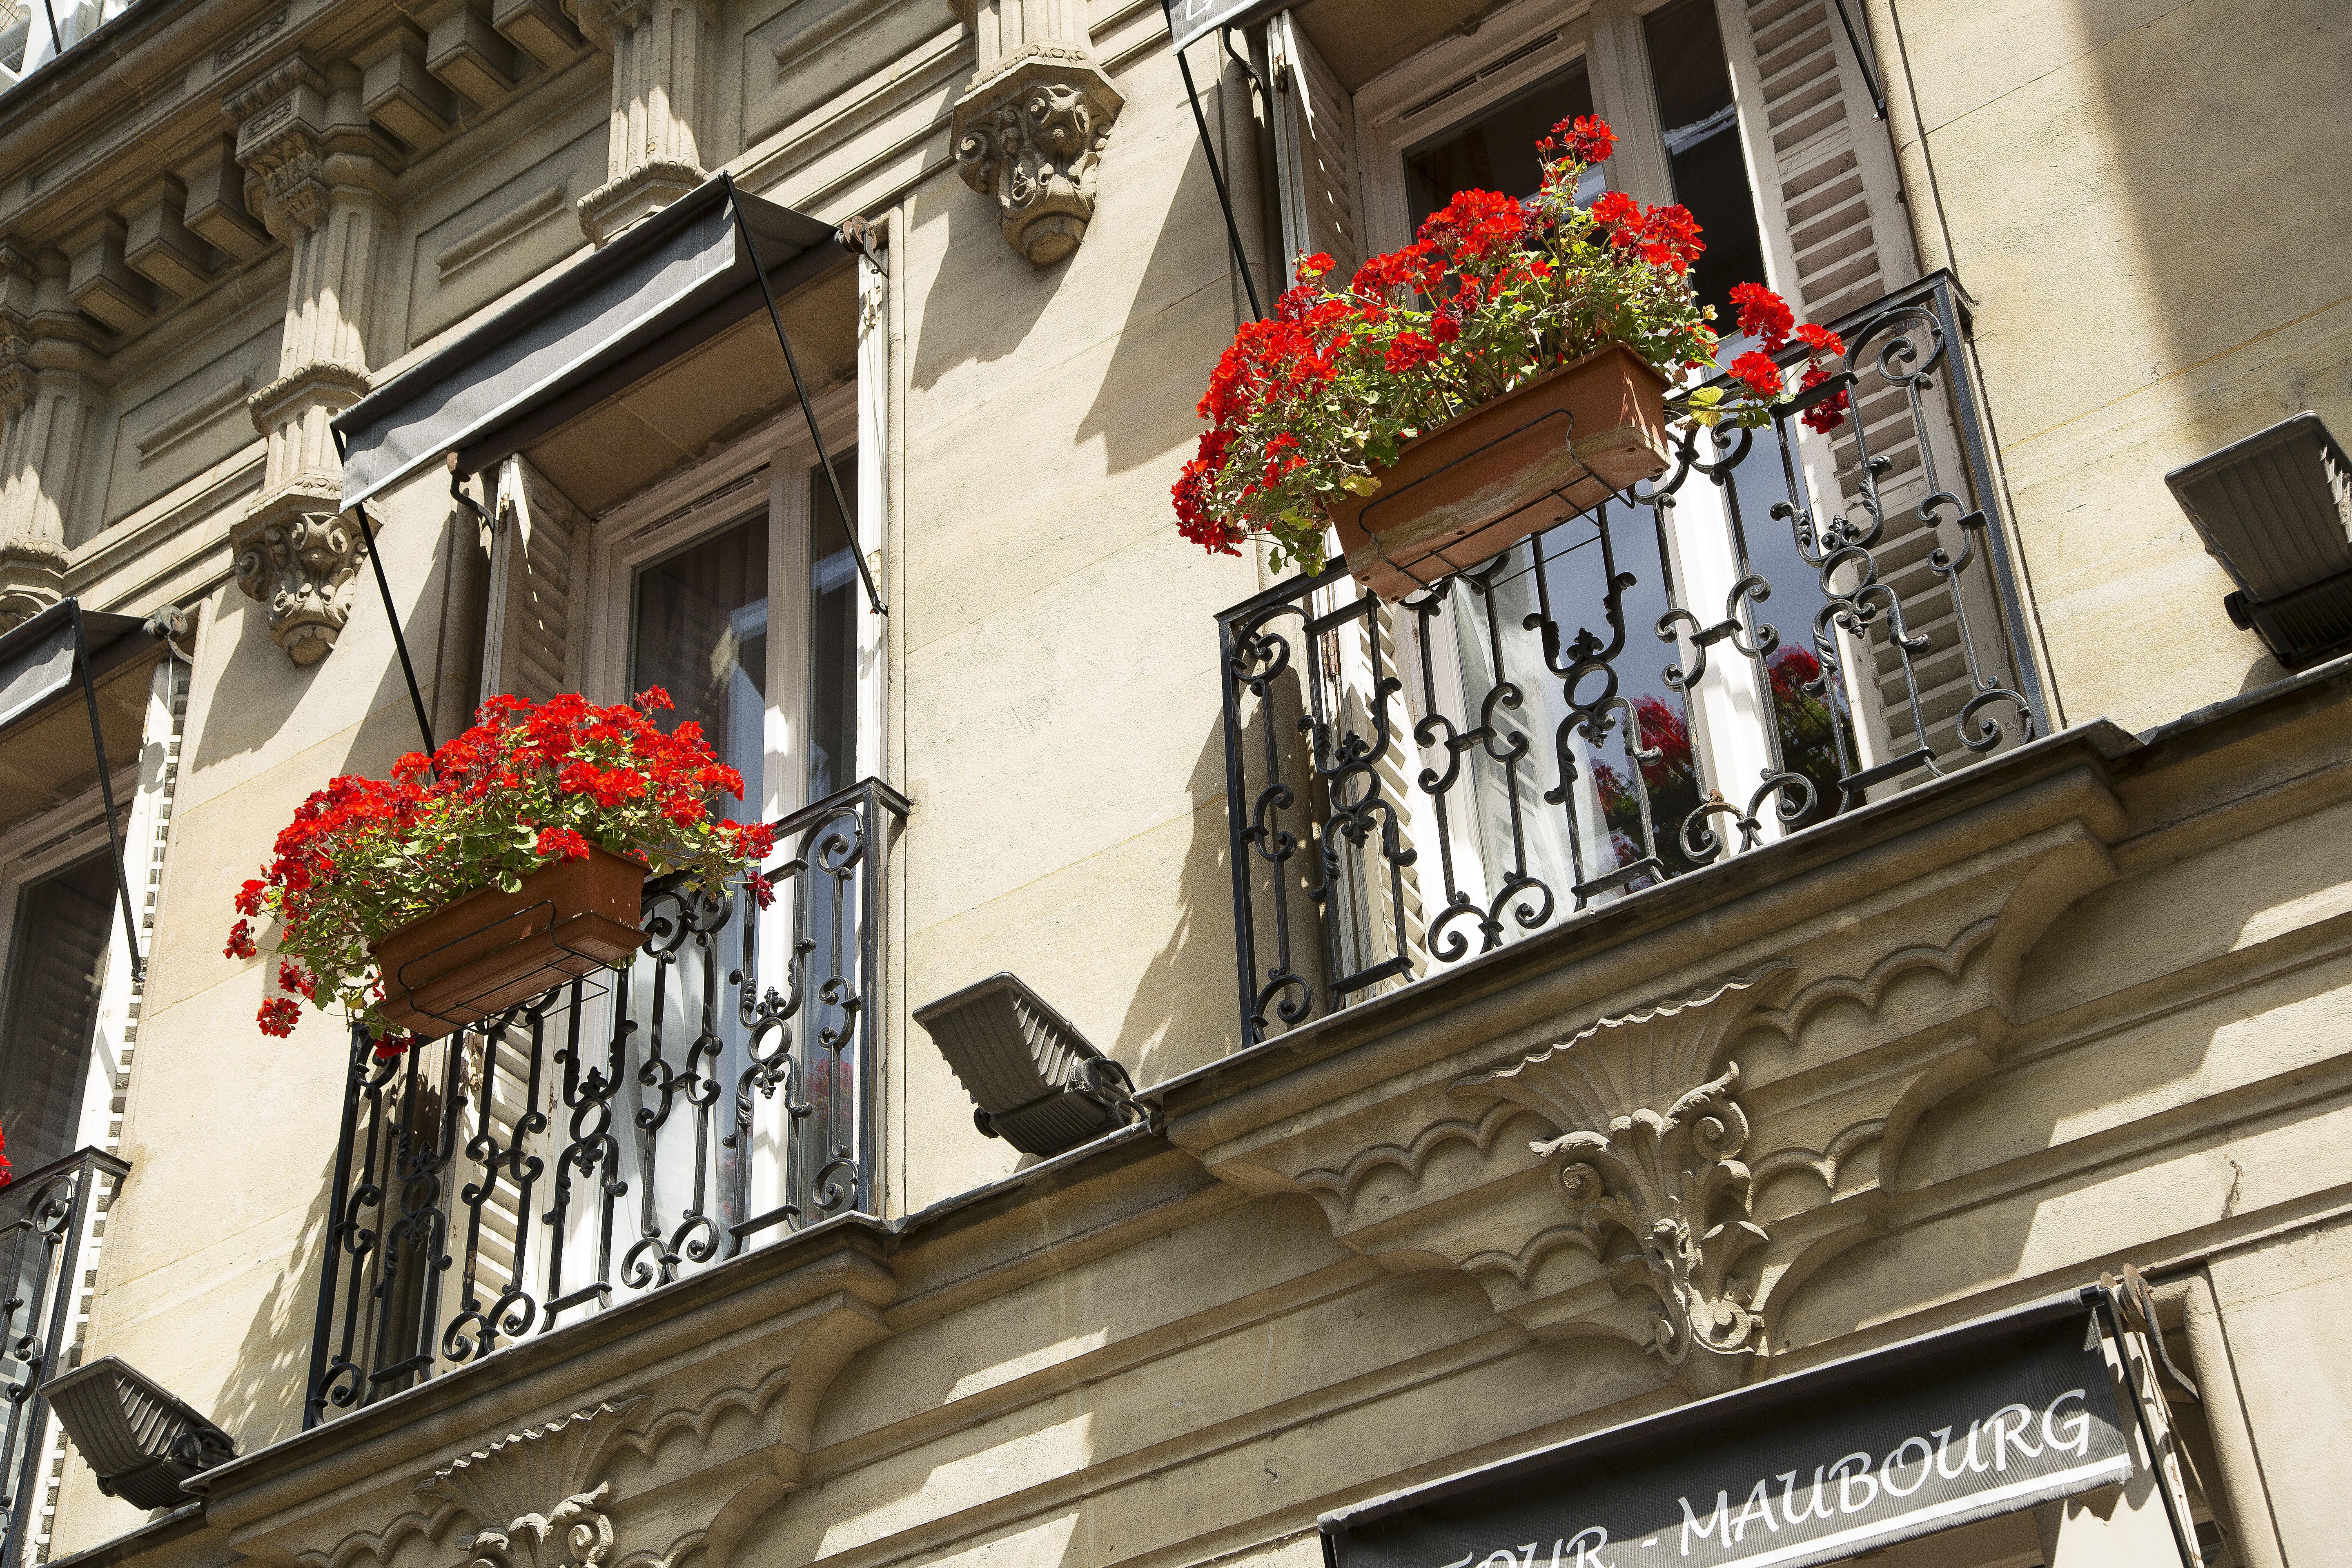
[613, 1134]
[48, 1225]
[1411, 784]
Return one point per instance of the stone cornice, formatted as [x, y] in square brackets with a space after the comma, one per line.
[2048, 780]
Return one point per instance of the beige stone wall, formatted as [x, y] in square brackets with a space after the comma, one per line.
[1058, 713]
[2138, 197]
[1184, 1349]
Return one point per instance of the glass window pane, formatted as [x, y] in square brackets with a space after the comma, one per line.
[698, 629]
[835, 603]
[1496, 150]
[1687, 62]
[1572, 723]
[55, 959]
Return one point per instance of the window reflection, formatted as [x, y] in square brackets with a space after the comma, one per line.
[1496, 150]
[699, 631]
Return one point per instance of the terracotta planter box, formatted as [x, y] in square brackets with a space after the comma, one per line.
[472, 960]
[1467, 491]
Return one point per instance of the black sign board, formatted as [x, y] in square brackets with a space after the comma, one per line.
[1813, 1467]
[1190, 20]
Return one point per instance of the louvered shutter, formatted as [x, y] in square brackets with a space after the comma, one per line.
[1840, 242]
[1375, 912]
[1315, 153]
[538, 564]
[538, 580]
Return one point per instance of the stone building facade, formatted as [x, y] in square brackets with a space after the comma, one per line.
[1452, 1138]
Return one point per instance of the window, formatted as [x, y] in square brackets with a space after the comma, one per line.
[60, 905]
[734, 589]
[1591, 760]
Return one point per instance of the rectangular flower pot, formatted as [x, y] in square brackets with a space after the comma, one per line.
[471, 960]
[1467, 491]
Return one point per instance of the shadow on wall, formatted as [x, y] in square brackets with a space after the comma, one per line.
[986, 300]
[1187, 304]
[259, 691]
[262, 1402]
[1182, 1014]
[2234, 265]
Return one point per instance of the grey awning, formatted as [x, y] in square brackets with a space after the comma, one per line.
[669, 284]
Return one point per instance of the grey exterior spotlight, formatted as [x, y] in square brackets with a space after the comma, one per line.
[1037, 1083]
[140, 1441]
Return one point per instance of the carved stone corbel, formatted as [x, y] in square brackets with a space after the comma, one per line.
[532, 1496]
[1669, 1182]
[281, 122]
[1029, 134]
[299, 560]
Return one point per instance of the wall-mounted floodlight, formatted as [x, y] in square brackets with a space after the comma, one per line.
[1037, 1083]
[2275, 511]
[140, 1441]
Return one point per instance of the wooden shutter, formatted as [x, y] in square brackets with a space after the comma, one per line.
[538, 566]
[1841, 240]
[1837, 240]
[1314, 153]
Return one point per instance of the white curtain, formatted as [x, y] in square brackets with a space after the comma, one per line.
[1543, 709]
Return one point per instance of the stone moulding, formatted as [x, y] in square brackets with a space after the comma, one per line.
[1674, 1174]
[535, 1494]
[1029, 134]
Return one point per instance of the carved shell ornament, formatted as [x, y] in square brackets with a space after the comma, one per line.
[1666, 1188]
[530, 1492]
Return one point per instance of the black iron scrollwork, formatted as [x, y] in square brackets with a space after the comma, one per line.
[616, 1133]
[1537, 763]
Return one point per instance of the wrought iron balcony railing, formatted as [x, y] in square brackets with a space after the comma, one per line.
[48, 1229]
[616, 1133]
[1827, 619]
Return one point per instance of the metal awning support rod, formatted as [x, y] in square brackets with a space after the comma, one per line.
[384, 590]
[106, 795]
[1224, 197]
[1862, 59]
[825, 458]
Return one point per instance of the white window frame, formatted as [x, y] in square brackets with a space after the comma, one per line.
[710, 495]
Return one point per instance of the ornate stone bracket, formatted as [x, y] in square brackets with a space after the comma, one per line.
[532, 1496]
[1671, 1184]
[1029, 133]
[298, 556]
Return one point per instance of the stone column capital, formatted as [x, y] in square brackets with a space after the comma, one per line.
[1029, 133]
[332, 387]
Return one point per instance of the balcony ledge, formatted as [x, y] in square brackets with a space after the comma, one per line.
[2100, 753]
